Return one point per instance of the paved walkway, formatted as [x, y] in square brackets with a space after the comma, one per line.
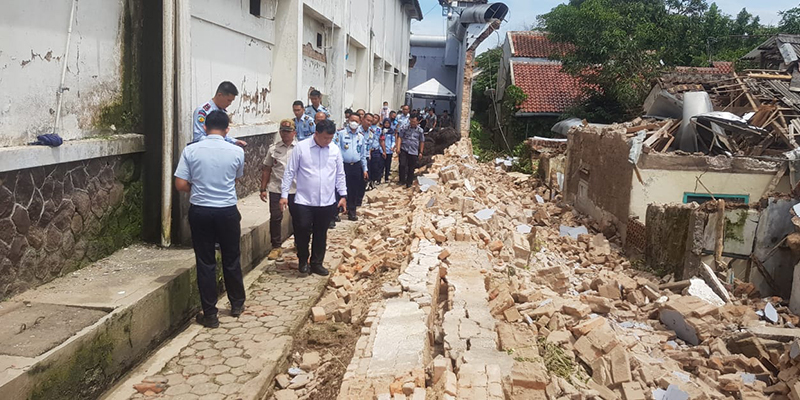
[239, 359]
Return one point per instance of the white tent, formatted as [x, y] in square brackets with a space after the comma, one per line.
[431, 89]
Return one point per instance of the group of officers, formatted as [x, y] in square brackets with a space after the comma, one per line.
[316, 171]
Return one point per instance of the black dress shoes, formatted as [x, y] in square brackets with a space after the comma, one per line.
[209, 321]
[319, 270]
[303, 268]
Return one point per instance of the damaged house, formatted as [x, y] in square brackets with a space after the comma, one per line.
[706, 177]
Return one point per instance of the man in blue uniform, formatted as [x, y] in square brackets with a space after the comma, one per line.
[316, 104]
[353, 147]
[226, 93]
[402, 118]
[411, 142]
[208, 170]
[376, 151]
[303, 123]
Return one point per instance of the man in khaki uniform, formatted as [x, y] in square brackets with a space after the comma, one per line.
[271, 177]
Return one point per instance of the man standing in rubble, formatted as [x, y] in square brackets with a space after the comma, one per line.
[226, 93]
[208, 170]
[411, 143]
[271, 177]
[317, 168]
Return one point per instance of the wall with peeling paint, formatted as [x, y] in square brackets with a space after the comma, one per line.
[230, 44]
[35, 33]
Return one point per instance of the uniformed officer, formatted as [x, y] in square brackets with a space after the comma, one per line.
[376, 151]
[303, 123]
[389, 139]
[208, 170]
[402, 119]
[226, 93]
[319, 117]
[411, 142]
[353, 147]
[316, 167]
[271, 177]
[316, 105]
[393, 120]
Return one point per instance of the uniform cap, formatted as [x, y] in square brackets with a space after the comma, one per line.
[287, 125]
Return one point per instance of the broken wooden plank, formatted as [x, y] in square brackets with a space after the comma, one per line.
[775, 179]
[767, 276]
[720, 237]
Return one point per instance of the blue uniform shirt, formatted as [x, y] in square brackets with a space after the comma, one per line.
[353, 147]
[375, 144]
[199, 121]
[412, 137]
[212, 167]
[305, 127]
[402, 121]
[389, 140]
[311, 112]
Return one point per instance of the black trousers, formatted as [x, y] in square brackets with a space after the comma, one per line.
[276, 218]
[354, 177]
[387, 166]
[209, 226]
[376, 166]
[312, 221]
[408, 165]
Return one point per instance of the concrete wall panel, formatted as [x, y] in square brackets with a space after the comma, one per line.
[35, 33]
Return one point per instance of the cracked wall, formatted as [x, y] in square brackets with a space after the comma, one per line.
[31, 65]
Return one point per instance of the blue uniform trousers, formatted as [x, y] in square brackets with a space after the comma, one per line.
[354, 177]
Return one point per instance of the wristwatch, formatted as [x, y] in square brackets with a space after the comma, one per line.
[263, 190]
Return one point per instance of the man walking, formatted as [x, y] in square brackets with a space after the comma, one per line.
[271, 177]
[226, 93]
[303, 123]
[411, 142]
[317, 168]
[208, 170]
[402, 119]
[353, 147]
[316, 105]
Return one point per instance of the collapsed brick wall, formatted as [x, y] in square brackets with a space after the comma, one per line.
[58, 218]
[598, 159]
[674, 239]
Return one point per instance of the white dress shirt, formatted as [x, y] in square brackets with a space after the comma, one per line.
[318, 172]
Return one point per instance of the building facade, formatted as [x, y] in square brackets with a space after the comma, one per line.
[125, 102]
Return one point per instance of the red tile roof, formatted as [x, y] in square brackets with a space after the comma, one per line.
[719, 68]
[549, 89]
[535, 45]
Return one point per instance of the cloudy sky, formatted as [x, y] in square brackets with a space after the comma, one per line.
[523, 14]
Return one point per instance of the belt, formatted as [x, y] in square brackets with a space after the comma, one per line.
[352, 163]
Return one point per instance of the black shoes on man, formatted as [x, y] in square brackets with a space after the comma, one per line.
[237, 311]
[209, 321]
[304, 269]
[314, 269]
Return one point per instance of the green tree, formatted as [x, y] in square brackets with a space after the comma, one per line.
[617, 45]
[488, 63]
[790, 21]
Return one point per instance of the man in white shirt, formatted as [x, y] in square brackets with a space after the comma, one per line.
[318, 170]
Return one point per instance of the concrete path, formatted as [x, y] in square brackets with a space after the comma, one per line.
[239, 359]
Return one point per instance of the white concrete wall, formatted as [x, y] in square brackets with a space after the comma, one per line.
[34, 33]
[663, 187]
[230, 44]
[370, 37]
